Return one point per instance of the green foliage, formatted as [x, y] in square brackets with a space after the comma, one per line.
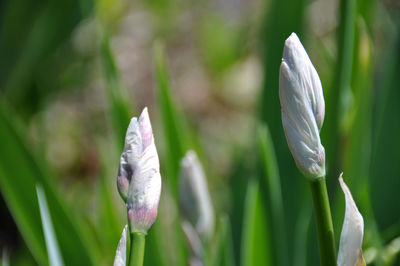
[19, 175]
[224, 253]
[175, 135]
[53, 250]
[271, 173]
[174, 132]
[260, 221]
[255, 240]
[119, 107]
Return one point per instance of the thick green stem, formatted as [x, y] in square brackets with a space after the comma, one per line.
[136, 254]
[323, 219]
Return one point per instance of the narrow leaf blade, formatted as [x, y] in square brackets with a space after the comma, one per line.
[255, 240]
[53, 250]
[19, 174]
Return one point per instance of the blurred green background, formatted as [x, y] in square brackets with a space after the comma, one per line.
[73, 73]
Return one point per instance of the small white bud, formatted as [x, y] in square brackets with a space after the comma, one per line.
[194, 197]
[351, 238]
[302, 107]
[120, 255]
[139, 180]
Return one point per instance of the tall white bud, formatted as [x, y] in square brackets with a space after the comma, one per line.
[194, 196]
[139, 179]
[351, 238]
[303, 108]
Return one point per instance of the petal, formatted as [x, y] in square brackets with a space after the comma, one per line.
[120, 255]
[350, 253]
[124, 177]
[145, 129]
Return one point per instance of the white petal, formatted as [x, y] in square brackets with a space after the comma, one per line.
[352, 232]
[120, 255]
[303, 108]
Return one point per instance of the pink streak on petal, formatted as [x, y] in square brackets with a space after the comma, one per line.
[145, 128]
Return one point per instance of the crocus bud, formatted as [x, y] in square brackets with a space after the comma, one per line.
[139, 180]
[303, 108]
[120, 255]
[351, 238]
[194, 197]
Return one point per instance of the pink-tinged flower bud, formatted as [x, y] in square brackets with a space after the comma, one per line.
[194, 196]
[120, 255]
[139, 180]
[302, 107]
[351, 238]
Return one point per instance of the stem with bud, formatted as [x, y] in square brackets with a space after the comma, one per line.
[136, 254]
[323, 219]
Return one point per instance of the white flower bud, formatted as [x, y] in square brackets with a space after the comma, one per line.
[139, 180]
[303, 108]
[120, 255]
[351, 238]
[194, 197]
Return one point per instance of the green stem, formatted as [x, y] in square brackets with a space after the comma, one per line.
[137, 249]
[323, 219]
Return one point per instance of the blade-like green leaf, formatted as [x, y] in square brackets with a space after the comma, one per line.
[301, 233]
[111, 211]
[119, 105]
[255, 248]
[50, 24]
[173, 130]
[175, 140]
[338, 94]
[19, 174]
[282, 17]
[224, 249]
[271, 173]
[53, 250]
[241, 167]
[384, 168]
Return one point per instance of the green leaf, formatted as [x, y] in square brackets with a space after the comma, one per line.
[301, 233]
[338, 95]
[119, 106]
[19, 174]
[111, 210]
[175, 140]
[224, 249]
[172, 125]
[281, 18]
[53, 250]
[255, 249]
[28, 40]
[271, 174]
